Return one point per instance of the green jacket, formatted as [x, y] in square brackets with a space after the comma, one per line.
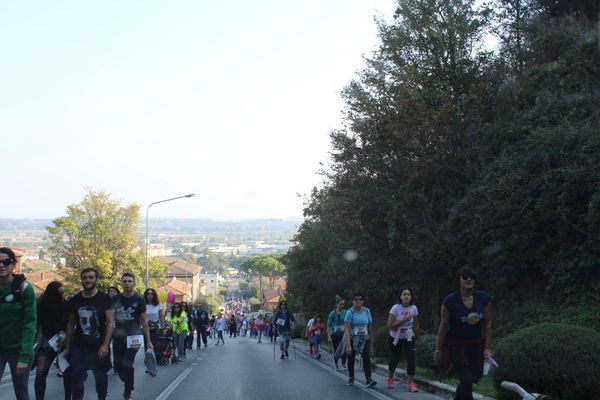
[18, 322]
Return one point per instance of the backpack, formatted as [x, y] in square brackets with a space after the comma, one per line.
[17, 287]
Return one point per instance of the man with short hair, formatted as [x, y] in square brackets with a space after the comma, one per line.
[89, 330]
[202, 323]
[130, 314]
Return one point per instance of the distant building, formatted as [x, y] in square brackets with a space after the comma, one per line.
[182, 270]
[40, 280]
[157, 250]
[210, 283]
[181, 289]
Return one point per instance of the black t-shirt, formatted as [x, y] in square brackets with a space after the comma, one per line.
[467, 322]
[127, 315]
[203, 318]
[90, 316]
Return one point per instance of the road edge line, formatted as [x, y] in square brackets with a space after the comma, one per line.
[167, 392]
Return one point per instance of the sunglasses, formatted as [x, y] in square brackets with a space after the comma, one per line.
[6, 262]
[467, 277]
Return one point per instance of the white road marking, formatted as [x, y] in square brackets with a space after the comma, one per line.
[165, 394]
[372, 392]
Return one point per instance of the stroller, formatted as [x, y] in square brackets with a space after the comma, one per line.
[165, 348]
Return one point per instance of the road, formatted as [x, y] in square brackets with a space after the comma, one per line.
[240, 369]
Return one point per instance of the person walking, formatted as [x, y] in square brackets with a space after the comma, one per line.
[357, 331]
[88, 334]
[307, 334]
[285, 322]
[178, 322]
[190, 321]
[52, 316]
[403, 325]
[154, 315]
[465, 332]
[130, 324]
[112, 292]
[232, 326]
[259, 324]
[220, 326]
[317, 333]
[18, 320]
[335, 329]
[202, 323]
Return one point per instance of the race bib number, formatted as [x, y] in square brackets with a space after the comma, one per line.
[280, 321]
[135, 341]
[338, 328]
[360, 329]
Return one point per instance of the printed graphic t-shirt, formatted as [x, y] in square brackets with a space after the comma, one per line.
[467, 322]
[399, 311]
[90, 317]
[127, 315]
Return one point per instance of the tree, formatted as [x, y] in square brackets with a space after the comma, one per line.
[100, 233]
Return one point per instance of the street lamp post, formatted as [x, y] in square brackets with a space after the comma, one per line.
[147, 210]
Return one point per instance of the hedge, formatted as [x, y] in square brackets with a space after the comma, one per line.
[555, 359]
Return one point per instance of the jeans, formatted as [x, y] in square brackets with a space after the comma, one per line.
[220, 337]
[366, 358]
[201, 336]
[43, 360]
[124, 363]
[335, 341]
[20, 382]
[396, 351]
[179, 340]
[80, 359]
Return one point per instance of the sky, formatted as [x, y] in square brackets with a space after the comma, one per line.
[147, 100]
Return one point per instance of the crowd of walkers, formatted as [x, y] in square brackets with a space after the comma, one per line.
[78, 333]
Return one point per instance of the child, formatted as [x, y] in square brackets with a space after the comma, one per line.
[317, 331]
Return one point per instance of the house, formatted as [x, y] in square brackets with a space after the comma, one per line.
[210, 283]
[184, 271]
[181, 289]
[40, 280]
[271, 299]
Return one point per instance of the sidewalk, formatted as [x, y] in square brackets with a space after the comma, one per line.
[427, 387]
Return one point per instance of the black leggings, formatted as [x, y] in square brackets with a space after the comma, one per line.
[366, 359]
[335, 340]
[43, 361]
[396, 351]
[464, 360]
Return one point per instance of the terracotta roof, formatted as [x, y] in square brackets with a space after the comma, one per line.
[177, 287]
[178, 266]
[45, 275]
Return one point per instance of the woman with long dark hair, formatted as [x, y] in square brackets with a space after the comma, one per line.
[403, 325]
[52, 318]
[465, 333]
[154, 315]
[178, 321]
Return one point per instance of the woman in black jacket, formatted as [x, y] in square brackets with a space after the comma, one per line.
[52, 319]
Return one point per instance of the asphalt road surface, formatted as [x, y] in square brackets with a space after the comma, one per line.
[240, 369]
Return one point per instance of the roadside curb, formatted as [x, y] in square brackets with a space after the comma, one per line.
[431, 386]
[428, 385]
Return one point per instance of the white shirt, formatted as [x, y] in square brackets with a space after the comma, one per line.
[152, 312]
[399, 311]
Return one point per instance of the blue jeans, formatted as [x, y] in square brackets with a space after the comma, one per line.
[124, 358]
[20, 382]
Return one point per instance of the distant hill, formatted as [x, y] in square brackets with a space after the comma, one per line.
[183, 225]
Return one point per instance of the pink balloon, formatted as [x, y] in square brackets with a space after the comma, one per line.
[170, 297]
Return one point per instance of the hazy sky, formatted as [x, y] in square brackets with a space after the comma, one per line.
[147, 100]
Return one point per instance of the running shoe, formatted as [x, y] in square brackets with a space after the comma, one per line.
[337, 367]
[318, 356]
[282, 356]
[370, 383]
[344, 368]
[287, 354]
[350, 382]
[412, 388]
[311, 352]
[59, 372]
[390, 383]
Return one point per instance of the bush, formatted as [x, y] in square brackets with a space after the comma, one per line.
[425, 350]
[381, 348]
[555, 359]
[299, 331]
